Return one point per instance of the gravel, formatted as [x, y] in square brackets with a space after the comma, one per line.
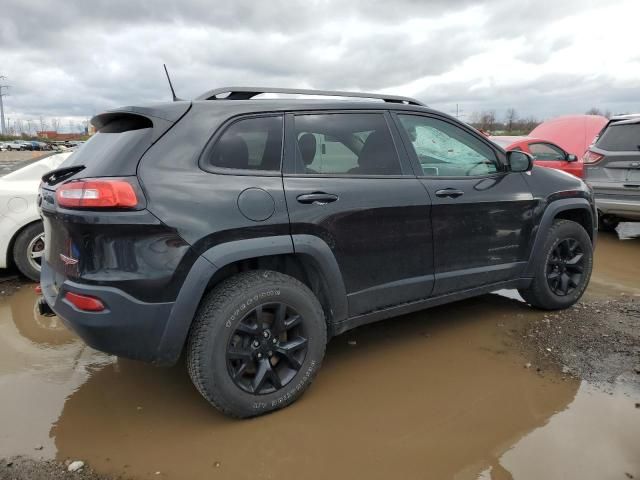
[22, 468]
[596, 340]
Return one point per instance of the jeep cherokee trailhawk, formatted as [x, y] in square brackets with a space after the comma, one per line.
[245, 232]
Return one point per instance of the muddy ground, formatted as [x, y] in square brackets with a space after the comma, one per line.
[486, 388]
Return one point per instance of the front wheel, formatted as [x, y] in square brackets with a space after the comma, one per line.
[256, 344]
[563, 273]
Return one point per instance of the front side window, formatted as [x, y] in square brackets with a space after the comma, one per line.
[345, 144]
[445, 150]
[546, 151]
[249, 144]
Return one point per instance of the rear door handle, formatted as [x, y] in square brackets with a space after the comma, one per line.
[449, 192]
[317, 198]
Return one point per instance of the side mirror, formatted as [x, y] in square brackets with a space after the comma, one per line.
[519, 161]
[571, 157]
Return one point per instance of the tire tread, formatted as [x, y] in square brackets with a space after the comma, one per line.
[208, 313]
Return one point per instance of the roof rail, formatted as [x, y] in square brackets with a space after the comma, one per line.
[246, 93]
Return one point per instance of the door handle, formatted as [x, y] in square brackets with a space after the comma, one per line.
[317, 198]
[449, 192]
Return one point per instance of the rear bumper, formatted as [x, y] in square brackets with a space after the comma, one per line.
[127, 328]
[620, 206]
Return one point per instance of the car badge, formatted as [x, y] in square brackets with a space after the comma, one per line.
[68, 260]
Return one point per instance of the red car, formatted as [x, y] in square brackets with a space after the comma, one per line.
[545, 153]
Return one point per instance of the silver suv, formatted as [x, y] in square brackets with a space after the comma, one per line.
[612, 168]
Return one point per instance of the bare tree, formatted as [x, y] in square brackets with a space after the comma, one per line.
[528, 124]
[55, 124]
[486, 120]
[510, 119]
[593, 111]
[43, 124]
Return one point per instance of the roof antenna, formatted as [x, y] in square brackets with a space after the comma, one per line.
[173, 92]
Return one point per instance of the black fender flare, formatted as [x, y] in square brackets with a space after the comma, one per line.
[217, 257]
[548, 216]
[319, 252]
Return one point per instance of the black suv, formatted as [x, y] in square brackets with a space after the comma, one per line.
[246, 232]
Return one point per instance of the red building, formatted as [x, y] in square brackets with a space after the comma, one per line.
[60, 137]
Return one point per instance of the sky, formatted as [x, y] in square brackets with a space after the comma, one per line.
[72, 59]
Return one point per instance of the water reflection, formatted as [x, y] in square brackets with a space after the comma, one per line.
[426, 395]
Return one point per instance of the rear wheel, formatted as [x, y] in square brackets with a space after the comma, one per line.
[256, 344]
[562, 275]
[28, 250]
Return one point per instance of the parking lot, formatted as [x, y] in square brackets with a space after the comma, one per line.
[485, 388]
[12, 160]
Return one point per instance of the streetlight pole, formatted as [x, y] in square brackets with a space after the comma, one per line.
[2, 126]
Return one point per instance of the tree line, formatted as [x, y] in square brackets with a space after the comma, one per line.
[512, 124]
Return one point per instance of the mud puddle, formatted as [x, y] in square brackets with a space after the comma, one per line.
[439, 394]
[616, 267]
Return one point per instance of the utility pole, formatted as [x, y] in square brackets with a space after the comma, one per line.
[2, 126]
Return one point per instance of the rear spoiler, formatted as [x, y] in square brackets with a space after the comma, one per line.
[160, 117]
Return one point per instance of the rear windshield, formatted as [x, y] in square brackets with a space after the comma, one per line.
[112, 154]
[620, 138]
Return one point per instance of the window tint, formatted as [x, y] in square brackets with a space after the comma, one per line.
[620, 138]
[345, 143]
[546, 151]
[446, 150]
[250, 144]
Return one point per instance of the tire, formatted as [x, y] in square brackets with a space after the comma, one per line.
[608, 223]
[545, 291]
[223, 341]
[23, 248]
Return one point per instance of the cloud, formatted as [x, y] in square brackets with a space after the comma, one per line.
[542, 57]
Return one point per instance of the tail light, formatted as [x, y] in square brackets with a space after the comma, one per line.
[592, 157]
[98, 193]
[84, 302]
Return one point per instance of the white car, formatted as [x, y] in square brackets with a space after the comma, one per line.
[21, 232]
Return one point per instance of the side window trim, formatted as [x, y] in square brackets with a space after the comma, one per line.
[415, 164]
[206, 151]
[290, 145]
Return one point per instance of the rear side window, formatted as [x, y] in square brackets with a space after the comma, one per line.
[620, 138]
[345, 144]
[249, 144]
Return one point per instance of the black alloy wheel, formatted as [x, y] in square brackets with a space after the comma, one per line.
[565, 267]
[267, 348]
